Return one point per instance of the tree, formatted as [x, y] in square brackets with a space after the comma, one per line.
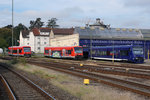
[52, 23]
[8, 26]
[17, 30]
[5, 35]
[36, 24]
[3, 43]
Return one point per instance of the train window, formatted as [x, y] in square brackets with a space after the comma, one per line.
[14, 51]
[101, 53]
[26, 49]
[93, 52]
[137, 51]
[8, 50]
[108, 53]
[46, 51]
[20, 50]
[68, 51]
[124, 52]
[78, 49]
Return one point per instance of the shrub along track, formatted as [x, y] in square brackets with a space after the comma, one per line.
[115, 82]
[23, 88]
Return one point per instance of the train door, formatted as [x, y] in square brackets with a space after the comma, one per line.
[68, 52]
[50, 52]
[63, 52]
[17, 51]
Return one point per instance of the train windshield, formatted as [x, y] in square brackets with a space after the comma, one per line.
[26, 49]
[138, 51]
[78, 49]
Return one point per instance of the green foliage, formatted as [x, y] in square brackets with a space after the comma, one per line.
[17, 30]
[3, 43]
[6, 35]
[14, 61]
[36, 24]
[22, 60]
[52, 23]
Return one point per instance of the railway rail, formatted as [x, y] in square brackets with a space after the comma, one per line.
[115, 82]
[138, 72]
[144, 74]
[24, 88]
[6, 91]
[77, 70]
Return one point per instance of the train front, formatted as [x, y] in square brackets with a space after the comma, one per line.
[27, 51]
[138, 55]
[78, 52]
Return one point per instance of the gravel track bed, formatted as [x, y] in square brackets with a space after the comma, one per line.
[21, 89]
[51, 89]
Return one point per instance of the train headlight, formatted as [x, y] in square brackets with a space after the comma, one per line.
[136, 58]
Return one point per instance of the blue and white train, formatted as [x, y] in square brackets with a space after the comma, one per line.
[129, 53]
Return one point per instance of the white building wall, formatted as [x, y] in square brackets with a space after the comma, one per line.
[31, 41]
[21, 39]
[37, 43]
[70, 40]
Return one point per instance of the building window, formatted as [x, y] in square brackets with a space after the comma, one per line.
[44, 42]
[38, 37]
[27, 43]
[45, 38]
[28, 39]
[38, 42]
[39, 48]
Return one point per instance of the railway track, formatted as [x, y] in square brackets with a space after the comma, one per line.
[115, 82]
[107, 69]
[144, 74]
[5, 90]
[23, 88]
[79, 71]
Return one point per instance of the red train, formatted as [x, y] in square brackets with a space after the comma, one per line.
[75, 52]
[19, 51]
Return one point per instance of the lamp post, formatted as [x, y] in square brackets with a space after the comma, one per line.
[91, 45]
[12, 21]
[12, 24]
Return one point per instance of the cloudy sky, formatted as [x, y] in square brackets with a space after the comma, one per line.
[70, 13]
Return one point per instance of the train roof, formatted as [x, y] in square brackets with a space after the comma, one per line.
[115, 46]
[99, 32]
[64, 47]
[18, 46]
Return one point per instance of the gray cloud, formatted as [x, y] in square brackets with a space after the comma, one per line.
[137, 3]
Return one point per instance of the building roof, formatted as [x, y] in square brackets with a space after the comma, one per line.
[146, 33]
[118, 33]
[36, 31]
[43, 29]
[63, 31]
[56, 31]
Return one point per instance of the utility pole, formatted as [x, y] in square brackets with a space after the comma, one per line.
[91, 45]
[12, 21]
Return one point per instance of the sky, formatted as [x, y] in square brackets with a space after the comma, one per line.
[71, 13]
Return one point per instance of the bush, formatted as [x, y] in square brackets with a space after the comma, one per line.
[22, 60]
[14, 61]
